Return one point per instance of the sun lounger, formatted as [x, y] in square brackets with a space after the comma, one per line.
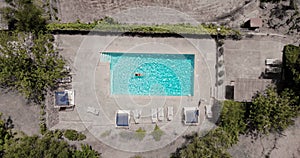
[208, 111]
[154, 115]
[170, 113]
[273, 62]
[272, 70]
[67, 79]
[93, 110]
[137, 115]
[161, 114]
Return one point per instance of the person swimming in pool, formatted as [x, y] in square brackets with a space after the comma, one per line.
[138, 74]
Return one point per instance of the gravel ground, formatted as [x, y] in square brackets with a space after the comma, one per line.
[25, 116]
[52, 115]
[201, 10]
[273, 146]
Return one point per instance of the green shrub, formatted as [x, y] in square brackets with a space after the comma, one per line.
[43, 112]
[43, 127]
[81, 136]
[157, 133]
[140, 134]
[109, 25]
[214, 145]
[58, 134]
[73, 135]
[271, 111]
[232, 120]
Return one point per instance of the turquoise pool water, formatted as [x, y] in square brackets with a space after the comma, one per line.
[161, 74]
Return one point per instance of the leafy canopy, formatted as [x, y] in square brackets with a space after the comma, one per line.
[31, 67]
[270, 111]
[46, 146]
[232, 120]
[291, 66]
[5, 135]
[24, 15]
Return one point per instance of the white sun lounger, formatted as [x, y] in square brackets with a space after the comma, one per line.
[170, 113]
[137, 115]
[154, 115]
[161, 114]
[92, 110]
[208, 111]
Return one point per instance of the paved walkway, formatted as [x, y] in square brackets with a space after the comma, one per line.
[92, 89]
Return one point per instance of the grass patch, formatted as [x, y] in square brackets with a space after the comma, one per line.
[157, 133]
[140, 134]
[106, 133]
[126, 135]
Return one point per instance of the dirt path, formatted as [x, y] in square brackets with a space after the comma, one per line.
[274, 146]
[25, 117]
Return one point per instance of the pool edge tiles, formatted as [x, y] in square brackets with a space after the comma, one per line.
[145, 74]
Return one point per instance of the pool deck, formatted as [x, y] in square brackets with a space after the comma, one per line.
[91, 82]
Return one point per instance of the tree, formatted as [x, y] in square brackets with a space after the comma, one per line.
[73, 135]
[293, 4]
[31, 67]
[24, 15]
[270, 111]
[232, 119]
[5, 135]
[291, 67]
[37, 147]
[213, 145]
[86, 151]
[46, 146]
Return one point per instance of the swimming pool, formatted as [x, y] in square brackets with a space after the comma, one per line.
[151, 74]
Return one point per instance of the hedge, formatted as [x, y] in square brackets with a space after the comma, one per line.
[109, 25]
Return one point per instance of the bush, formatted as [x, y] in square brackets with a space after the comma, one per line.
[24, 15]
[221, 73]
[140, 134]
[81, 136]
[109, 25]
[42, 112]
[73, 135]
[157, 133]
[220, 43]
[232, 120]
[220, 63]
[43, 127]
[214, 145]
[58, 134]
[270, 111]
[220, 82]
[31, 74]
